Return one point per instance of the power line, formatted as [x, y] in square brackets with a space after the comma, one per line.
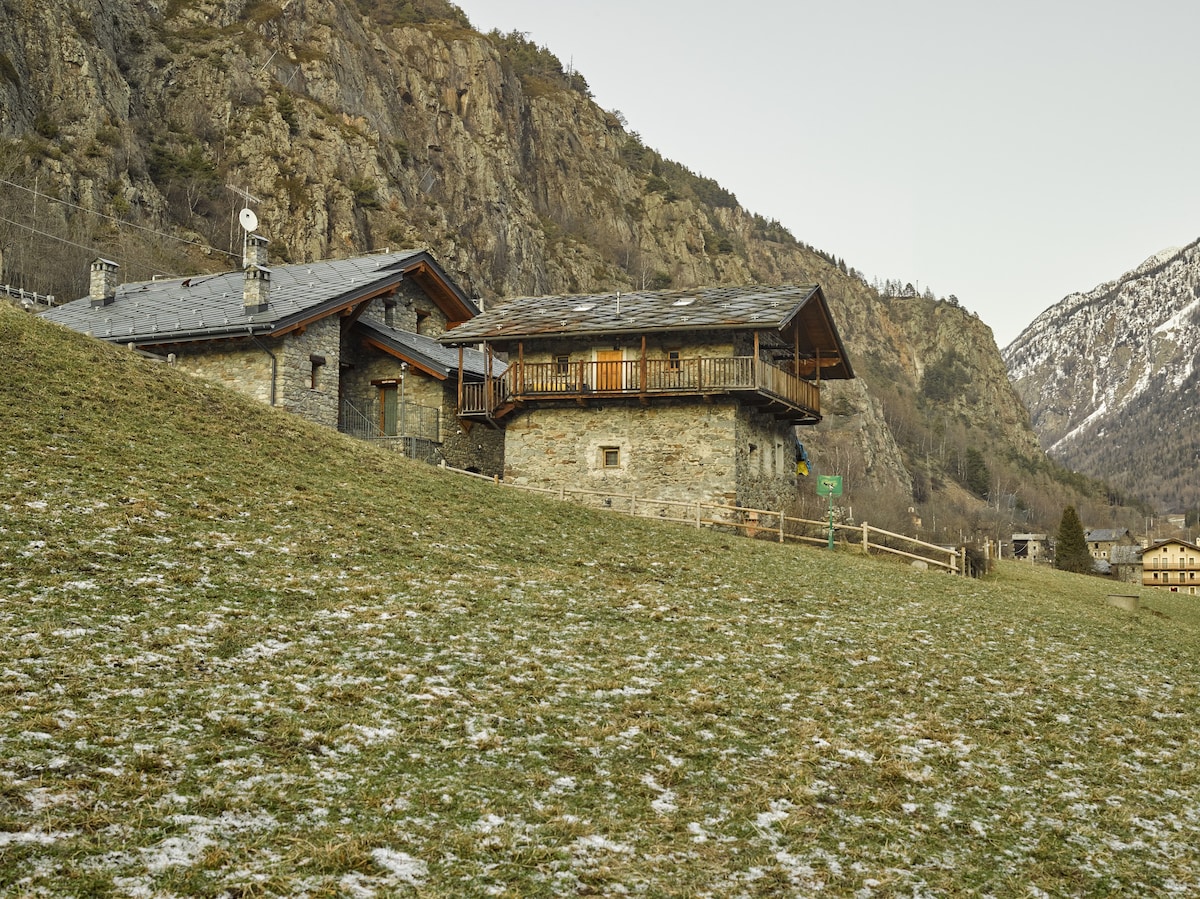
[71, 243]
[119, 222]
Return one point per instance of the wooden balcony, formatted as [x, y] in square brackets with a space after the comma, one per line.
[751, 380]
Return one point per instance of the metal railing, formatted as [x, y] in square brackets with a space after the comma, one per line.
[418, 428]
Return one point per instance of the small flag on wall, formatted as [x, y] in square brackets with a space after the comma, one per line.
[801, 459]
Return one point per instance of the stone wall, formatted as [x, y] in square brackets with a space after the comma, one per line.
[246, 365]
[369, 365]
[478, 448]
[407, 310]
[297, 393]
[671, 450]
[689, 450]
[241, 365]
[766, 461]
[473, 447]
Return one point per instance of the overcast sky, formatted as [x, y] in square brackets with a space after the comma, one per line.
[1008, 153]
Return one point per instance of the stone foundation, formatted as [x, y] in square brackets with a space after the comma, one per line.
[678, 450]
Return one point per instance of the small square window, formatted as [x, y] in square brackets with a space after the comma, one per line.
[610, 456]
[562, 365]
[673, 362]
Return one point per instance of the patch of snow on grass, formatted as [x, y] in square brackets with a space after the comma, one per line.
[402, 866]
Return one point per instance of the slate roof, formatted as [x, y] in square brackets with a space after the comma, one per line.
[1101, 535]
[206, 307]
[1167, 540]
[429, 353]
[693, 309]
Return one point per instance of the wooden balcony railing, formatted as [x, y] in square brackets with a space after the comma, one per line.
[766, 383]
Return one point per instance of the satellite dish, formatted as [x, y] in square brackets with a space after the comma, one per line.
[248, 220]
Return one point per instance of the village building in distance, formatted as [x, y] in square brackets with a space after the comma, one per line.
[690, 395]
[1102, 541]
[1172, 565]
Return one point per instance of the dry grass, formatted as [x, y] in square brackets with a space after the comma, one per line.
[240, 656]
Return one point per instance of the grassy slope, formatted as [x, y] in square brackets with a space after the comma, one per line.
[244, 656]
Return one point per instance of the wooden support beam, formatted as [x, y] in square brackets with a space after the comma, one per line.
[352, 314]
[460, 377]
[643, 370]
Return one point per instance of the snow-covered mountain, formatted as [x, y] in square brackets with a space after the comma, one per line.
[1111, 378]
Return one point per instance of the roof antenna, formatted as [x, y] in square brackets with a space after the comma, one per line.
[249, 222]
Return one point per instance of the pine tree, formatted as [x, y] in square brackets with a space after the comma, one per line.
[1071, 550]
[979, 478]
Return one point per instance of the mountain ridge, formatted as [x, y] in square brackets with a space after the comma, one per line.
[1108, 373]
[358, 126]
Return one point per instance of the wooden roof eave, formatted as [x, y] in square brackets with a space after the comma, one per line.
[427, 274]
[338, 306]
[404, 357]
[832, 338]
[432, 279]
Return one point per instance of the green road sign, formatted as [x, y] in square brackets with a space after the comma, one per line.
[829, 485]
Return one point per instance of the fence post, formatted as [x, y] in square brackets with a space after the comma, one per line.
[866, 540]
[962, 560]
[781, 525]
[698, 515]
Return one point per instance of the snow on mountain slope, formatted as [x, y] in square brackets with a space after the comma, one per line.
[1111, 378]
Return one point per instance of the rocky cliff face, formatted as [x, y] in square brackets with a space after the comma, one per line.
[1111, 379]
[351, 134]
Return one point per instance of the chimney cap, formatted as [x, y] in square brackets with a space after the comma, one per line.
[101, 261]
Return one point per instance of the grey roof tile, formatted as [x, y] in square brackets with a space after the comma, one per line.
[772, 311]
[661, 310]
[1106, 535]
[208, 306]
[429, 352]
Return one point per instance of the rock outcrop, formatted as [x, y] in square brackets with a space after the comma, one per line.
[348, 134]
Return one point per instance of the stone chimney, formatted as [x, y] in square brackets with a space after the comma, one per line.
[256, 294]
[103, 288]
[254, 251]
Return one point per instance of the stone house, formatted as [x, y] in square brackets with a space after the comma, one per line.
[347, 343]
[1101, 541]
[1172, 565]
[1031, 547]
[1125, 564]
[691, 395]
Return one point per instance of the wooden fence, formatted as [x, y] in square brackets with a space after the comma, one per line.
[763, 524]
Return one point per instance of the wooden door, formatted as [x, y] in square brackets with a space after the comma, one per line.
[608, 369]
[388, 409]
